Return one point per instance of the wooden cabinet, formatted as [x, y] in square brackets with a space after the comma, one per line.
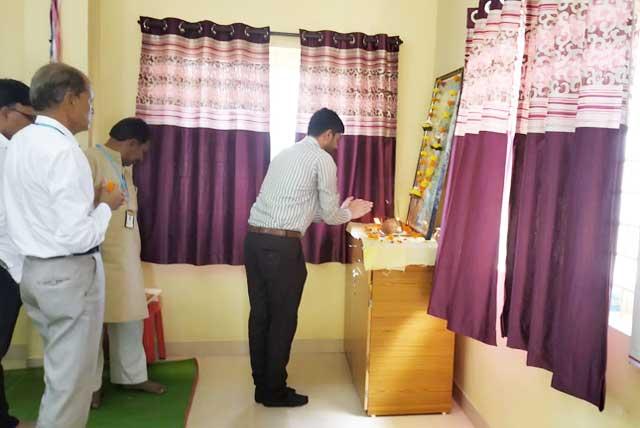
[401, 359]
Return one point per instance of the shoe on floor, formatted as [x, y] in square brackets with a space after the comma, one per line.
[289, 398]
[258, 396]
[147, 386]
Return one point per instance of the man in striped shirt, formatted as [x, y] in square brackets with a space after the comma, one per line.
[300, 188]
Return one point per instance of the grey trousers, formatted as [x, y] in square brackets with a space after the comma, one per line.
[127, 360]
[65, 299]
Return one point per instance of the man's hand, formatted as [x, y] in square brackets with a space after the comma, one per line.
[346, 202]
[112, 197]
[359, 207]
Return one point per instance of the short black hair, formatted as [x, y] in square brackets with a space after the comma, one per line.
[13, 92]
[131, 127]
[51, 83]
[323, 120]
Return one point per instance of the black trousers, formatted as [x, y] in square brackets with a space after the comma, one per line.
[9, 308]
[276, 273]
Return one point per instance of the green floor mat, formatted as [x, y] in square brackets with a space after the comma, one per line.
[120, 408]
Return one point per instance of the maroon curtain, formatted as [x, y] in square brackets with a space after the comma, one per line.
[204, 90]
[560, 248]
[565, 189]
[196, 189]
[366, 168]
[357, 76]
[464, 290]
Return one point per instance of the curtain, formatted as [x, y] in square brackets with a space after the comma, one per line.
[357, 76]
[569, 151]
[465, 277]
[204, 90]
[569, 64]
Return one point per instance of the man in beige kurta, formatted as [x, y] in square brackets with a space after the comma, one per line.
[125, 299]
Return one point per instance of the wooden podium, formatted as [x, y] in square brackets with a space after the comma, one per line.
[401, 359]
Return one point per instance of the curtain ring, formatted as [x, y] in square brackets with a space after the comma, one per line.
[145, 25]
[265, 35]
[487, 7]
[352, 40]
[304, 37]
[213, 30]
[474, 16]
[183, 30]
[373, 39]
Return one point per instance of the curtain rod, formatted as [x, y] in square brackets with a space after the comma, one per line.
[185, 26]
[284, 34]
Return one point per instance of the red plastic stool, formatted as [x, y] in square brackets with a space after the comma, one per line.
[153, 328]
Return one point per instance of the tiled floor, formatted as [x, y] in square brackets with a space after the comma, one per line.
[224, 398]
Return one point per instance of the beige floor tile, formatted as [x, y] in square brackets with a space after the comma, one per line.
[224, 398]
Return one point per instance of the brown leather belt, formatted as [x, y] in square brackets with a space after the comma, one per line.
[275, 232]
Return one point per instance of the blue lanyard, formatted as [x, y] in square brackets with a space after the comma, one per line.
[52, 127]
[123, 182]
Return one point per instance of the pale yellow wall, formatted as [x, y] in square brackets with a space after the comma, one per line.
[210, 304]
[450, 43]
[495, 379]
[24, 27]
[74, 24]
[508, 394]
[12, 40]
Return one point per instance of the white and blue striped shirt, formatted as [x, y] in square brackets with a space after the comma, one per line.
[301, 187]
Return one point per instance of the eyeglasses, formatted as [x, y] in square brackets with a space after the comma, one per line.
[30, 117]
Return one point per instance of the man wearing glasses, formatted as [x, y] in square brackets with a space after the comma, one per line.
[57, 220]
[15, 113]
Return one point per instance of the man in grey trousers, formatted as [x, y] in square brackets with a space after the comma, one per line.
[58, 221]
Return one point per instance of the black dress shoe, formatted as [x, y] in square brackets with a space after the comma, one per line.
[260, 393]
[288, 399]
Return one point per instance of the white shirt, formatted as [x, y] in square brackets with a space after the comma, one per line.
[301, 186]
[9, 254]
[48, 193]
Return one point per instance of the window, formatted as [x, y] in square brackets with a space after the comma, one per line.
[625, 273]
[284, 79]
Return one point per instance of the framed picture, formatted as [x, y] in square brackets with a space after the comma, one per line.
[435, 151]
